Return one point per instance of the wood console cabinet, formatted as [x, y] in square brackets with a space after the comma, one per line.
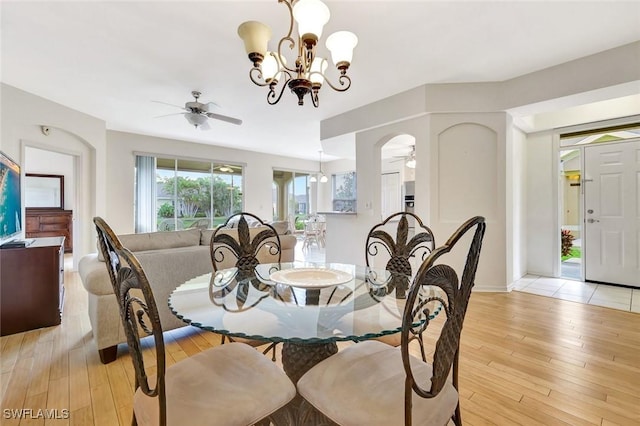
[31, 285]
[50, 223]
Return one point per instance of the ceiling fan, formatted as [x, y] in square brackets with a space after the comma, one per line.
[410, 160]
[227, 168]
[197, 113]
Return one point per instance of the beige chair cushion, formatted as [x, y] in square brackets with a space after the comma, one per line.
[232, 384]
[364, 385]
[390, 339]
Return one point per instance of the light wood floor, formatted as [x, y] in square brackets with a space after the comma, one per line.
[525, 359]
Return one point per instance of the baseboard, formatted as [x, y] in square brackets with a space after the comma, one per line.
[492, 288]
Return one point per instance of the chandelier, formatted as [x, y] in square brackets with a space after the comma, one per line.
[307, 74]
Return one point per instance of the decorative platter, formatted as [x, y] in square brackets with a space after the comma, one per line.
[311, 277]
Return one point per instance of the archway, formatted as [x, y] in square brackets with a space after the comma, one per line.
[397, 168]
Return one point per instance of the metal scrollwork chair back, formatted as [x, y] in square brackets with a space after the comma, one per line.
[399, 252]
[400, 249]
[246, 251]
[377, 384]
[178, 395]
[138, 311]
[454, 304]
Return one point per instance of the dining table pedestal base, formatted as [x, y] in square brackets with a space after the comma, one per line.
[298, 358]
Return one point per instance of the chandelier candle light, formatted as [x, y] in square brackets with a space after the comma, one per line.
[307, 74]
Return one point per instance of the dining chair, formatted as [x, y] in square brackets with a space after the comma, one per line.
[194, 390]
[399, 253]
[314, 232]
[245, 249]
[374, 383]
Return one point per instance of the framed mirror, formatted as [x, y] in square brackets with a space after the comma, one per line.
[44, 191]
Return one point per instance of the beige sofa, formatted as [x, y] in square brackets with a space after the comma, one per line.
[168, 259]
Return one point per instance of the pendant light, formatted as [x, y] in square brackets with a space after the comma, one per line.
[322, 177]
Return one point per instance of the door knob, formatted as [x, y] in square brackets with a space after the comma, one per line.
[592, 220]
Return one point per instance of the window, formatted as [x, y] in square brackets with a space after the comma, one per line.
[290, 194]
[608, 134]
[344, 192]
[185, 193]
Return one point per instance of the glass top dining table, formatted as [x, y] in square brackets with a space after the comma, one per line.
[308, 306]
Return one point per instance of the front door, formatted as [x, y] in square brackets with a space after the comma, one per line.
[612, 213]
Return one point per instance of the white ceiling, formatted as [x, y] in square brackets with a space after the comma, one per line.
[112, 59]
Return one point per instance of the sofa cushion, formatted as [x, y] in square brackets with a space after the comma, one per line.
[281, 227]
[158, 240]
[251, 222]
[161, 240]
[205, 237]
[94, 275]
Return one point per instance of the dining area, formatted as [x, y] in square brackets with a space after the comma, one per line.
[350, 338]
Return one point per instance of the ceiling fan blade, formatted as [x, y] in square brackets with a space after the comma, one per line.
[166, 103]
[204, 126]
[211, 105]
[224, 118]
[167, 115]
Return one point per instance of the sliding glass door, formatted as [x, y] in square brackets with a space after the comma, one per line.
[291, 195]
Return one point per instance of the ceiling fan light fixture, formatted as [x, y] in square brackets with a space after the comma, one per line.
[195, 119]
[323, 178]
[313, 179]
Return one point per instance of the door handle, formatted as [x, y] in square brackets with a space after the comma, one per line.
[592, 220]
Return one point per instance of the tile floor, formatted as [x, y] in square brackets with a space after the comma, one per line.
[311, 253]
[625, 299]
[609, 296]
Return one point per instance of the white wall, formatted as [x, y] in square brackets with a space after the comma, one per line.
[521, 184]
[348, 247]
[462, 174]
[71, 132]
[606, 75]
[542, 202]
[121, 162]
[468, 178]
[105, 160]
[517, 206]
